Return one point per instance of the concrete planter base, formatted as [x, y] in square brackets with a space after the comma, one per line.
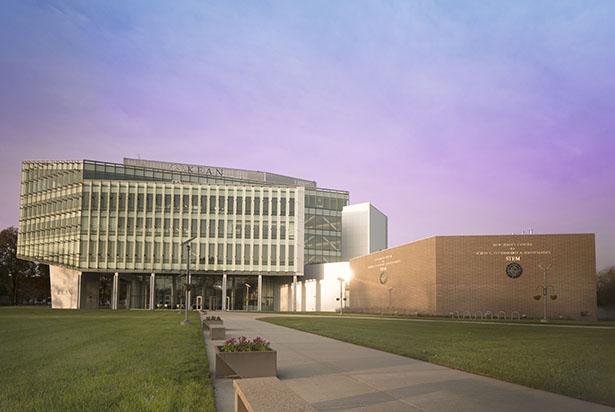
[208, 323]
[217, 332]
[246, 364]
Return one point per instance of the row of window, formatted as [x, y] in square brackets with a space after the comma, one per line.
[325, 202]
[171, 253]
[186, 203]
[40, 180]
[59, 204]
[211, 228]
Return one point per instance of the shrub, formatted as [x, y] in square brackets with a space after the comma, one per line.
[243, 344]
[606, 287]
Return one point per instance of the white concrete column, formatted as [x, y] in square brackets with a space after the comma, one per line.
[260, 293]
[152, 290]
[303, 296]
[294, 292]
[115, 292]
[318, 306]
[224, 292]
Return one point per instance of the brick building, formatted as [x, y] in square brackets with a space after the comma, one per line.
[480, 276]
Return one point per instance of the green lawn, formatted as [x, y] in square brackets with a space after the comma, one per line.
[578, 362]
[65, 360]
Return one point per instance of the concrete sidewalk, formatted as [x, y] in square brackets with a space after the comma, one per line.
[333, 375]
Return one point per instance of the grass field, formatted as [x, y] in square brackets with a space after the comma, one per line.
[578, 362]
[62, 360]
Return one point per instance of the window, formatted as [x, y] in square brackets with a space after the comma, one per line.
[238, 254]
[257, 205]
[220, 204]
[265, 206]
[274, 206]
[283, 206]
[291, 207]
[229, 228]
[255, 254]
[95, 200]
[220, 228]
[246, 254]
[195, 204]
[112, 201]
[212, 204]
[220, 259]
[140, 202]
[239, 205]
[103, 201]
[149, 202]
[248, 205]
[229, 253]
[229, 204]
[212, 254]
[212, 228]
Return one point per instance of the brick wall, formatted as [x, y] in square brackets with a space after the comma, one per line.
[401, 279]
[471, 274]
[467, 274]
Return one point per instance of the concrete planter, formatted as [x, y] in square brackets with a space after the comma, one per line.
[246, 364]
[217, 332]
[208, 323]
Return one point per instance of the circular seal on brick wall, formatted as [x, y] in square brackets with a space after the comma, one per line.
[383, 277]
[514, 270]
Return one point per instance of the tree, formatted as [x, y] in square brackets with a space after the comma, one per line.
[606, 287]
[13, 271]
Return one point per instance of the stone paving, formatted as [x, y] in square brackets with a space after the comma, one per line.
[334, 375]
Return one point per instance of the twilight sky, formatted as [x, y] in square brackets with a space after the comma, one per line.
[452, 117]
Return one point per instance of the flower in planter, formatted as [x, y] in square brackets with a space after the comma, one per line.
[243, 344]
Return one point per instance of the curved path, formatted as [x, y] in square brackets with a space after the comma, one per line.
[338, 376]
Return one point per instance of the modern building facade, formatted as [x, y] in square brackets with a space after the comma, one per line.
[116, 235]
[364, 230]
[480, 276]
[325, 286]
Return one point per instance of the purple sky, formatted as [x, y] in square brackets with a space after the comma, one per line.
[451, 117]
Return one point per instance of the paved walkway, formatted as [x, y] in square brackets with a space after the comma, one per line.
[333, 375]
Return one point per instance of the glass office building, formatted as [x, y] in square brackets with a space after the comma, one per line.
[116, 235]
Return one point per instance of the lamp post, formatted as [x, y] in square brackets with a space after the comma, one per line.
[188, 280]
[545, 291]
[341, 298]
[247, 295]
